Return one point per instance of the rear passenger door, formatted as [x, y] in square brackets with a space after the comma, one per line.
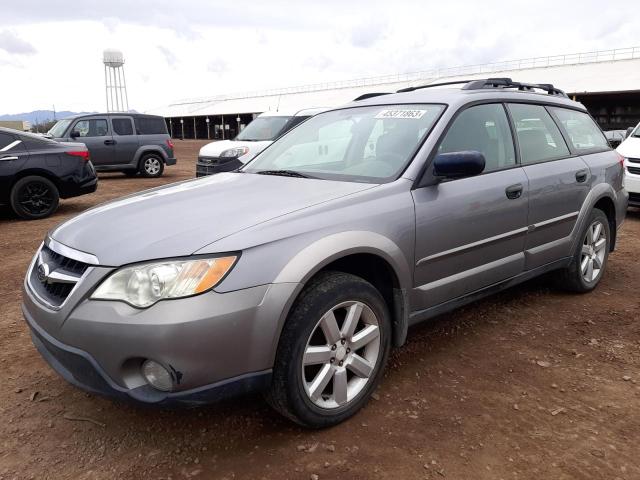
[95, 133]
[125, 140]
[470, 232]
[558, 183]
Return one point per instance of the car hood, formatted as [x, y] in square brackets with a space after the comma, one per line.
[179, 219]
[216, 148]
[630, 147]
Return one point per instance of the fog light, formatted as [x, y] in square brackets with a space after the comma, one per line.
[157, 376]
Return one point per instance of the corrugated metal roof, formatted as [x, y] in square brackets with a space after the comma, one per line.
[605, 71]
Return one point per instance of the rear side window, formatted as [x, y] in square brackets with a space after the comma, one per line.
[93, 127]
[122, 126]
[539, 138]
[150, 125]
[484, 129]
[10, 144]
[582, 130]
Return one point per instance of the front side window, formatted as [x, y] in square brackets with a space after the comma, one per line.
[539, 138]
[262, 129]
[484, 129]
[122, 126]
[93, 127]
[363, 144]
[583, 133]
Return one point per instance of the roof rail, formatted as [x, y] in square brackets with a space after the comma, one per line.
[441, 84]
[508, 83]
[369, 95]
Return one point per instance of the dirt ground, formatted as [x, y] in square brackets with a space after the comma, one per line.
[533, 383]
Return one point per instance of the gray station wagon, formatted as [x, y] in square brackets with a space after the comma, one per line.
[353, 226]
[131, 143]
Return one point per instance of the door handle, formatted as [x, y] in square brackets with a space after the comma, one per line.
[581, 175]
[110, 142]
[514, 191]
[8, 158]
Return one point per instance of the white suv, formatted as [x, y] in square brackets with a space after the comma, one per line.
[228, 155]
[630, 150]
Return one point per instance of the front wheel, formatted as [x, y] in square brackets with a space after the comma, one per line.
[151, 166]
[332, 351]
[34, 197]
[590, 258]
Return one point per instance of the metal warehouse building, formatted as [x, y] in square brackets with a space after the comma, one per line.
[607, 82]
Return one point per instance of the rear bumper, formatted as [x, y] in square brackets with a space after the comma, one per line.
[72, 189]
[171, 160]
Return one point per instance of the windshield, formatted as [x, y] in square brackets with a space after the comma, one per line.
[57, 131]
[363, 144]
[263, 128]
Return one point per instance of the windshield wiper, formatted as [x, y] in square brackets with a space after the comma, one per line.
[284, 173]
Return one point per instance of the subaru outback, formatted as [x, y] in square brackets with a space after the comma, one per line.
[355, 225]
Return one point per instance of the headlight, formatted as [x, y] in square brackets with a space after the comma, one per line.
[234, 152]
[145, 284]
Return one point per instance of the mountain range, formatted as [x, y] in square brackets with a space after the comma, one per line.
[39, 116]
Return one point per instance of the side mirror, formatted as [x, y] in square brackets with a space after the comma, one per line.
[74, 134]
[458, 164]
[629, 130]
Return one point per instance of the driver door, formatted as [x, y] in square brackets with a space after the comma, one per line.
[470, 232]
[95, 133]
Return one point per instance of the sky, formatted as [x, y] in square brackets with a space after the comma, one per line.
[51, 50]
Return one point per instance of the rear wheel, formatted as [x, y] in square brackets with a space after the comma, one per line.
[34, 197]
[590, 258]
[151, 165]
[332, 351]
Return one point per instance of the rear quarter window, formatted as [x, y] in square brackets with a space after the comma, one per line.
[582, 131]
[150, 125]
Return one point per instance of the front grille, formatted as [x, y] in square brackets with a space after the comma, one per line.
[634, 170]
[634, 160]
[634, 197]
[55, 282]
[210, 160]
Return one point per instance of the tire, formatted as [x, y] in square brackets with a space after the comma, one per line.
[34, 197]
[297, 391]
[589, 261]
[151, 165]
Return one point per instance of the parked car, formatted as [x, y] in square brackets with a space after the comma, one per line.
[228, 155]
[630, 150]
[361, 221]
[131, 143]
[615, 137]
[36, 172]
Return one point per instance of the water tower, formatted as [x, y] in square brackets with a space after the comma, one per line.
[115, 83]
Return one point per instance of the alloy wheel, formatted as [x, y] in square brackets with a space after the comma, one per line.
[152, 166]
[341, 354]
[36, 198]
[593, 252]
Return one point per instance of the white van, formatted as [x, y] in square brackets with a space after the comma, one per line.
[227, 155]
[630, 150]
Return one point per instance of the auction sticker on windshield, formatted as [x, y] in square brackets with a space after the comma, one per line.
[411, 114]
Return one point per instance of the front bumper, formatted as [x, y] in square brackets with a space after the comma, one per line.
[218, 345]
[211, 165]
[632, 185]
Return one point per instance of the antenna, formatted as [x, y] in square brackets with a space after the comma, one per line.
[114, 80]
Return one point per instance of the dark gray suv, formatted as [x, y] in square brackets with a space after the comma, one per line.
[123, 142]
[345, 231]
